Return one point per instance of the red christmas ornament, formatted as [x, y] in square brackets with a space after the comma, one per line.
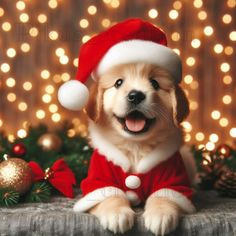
[224, 150]
[19, 149]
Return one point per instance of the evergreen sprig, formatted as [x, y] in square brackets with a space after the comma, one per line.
[211, 165]
[199, 154]
[8, 197]
[75, 150]
[39, 192]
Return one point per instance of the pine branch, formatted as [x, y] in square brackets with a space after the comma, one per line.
[39, 192]
[8, 197]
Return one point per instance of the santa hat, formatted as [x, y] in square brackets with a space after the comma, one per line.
[131, 41]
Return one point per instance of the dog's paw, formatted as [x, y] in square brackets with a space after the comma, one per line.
[161, 221]
[117, 220]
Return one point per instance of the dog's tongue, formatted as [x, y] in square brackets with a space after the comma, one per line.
[135, 125]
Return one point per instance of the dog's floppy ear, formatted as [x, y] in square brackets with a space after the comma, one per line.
[180, 105]
[94, 106]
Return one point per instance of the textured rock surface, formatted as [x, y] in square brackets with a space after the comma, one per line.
[215, 216]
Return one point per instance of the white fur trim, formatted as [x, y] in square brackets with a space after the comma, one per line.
[107, 149]
[73, 95]
[133, 51]
[159, 154]
[95, 197]
[183, 202]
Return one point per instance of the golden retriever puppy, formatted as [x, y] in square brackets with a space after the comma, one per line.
[135, 111]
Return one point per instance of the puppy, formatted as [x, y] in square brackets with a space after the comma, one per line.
[135, 111]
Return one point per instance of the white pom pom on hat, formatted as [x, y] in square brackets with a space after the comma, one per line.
[73, 95]
[130, 41]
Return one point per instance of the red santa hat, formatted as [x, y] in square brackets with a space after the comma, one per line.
[131, 41]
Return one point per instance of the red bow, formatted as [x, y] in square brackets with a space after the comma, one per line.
[59, 175]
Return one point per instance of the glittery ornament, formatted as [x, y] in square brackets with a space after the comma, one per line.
[19, 149]
[15, 174]
[50, 142]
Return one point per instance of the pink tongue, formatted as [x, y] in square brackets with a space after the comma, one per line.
[135, 125]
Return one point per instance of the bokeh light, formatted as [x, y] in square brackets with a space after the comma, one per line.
[210, 146]
[22, 106]
[223, 122]
[227, 18]
[27, 86]
[232, 36]
[215, 115]
[218, 48]
[225, 67]
[196, 43]
[42, 18]
[20, 5]
[25, 47]
[92, 10]
[173, 14]
[199, 136]
[208, 30]
[202, 15]
[214, 138]
[153, 13]
[6, 26]
[40, 114]
[227, 99]
[232, 132]
[45, 74]
[84, 23]
[10, 82]
[11, 52]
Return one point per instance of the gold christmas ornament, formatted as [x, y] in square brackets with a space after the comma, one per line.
[50, 142]
[15, 174]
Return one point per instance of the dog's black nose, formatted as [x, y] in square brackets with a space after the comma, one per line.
[136, 97]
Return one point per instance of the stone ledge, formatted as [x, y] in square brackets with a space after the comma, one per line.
[215, 216]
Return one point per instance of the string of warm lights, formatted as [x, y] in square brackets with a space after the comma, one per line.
[29, 95]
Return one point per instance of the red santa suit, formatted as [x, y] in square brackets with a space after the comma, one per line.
[159, 174]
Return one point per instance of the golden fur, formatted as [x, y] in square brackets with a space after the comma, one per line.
[161, 215]
[169, 105]
[115, 214]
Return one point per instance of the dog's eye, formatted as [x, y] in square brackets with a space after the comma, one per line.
[118, 83]
[154, 84]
